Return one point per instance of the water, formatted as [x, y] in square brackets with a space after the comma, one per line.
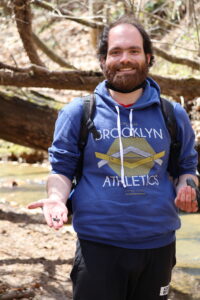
[21, 184]
[188, 244]
[31, 180]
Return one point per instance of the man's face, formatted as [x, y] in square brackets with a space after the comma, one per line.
[126, 65]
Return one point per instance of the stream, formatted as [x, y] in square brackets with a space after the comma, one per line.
[21, 184]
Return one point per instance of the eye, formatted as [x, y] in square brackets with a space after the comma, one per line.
[134, 51]
[114, 52]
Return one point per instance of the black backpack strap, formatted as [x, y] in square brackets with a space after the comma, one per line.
[167, 109]
[170, 120]
[87, 124]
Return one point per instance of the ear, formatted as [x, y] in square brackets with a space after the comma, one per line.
[148, 57]
[102, 63]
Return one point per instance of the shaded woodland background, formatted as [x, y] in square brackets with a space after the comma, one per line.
[48, 56]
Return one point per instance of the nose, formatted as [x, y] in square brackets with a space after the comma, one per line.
[125, 57]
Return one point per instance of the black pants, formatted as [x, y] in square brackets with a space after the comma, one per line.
[103, 272]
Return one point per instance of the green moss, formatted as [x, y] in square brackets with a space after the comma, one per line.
[7, 148]
[150, 6]
[31, 96]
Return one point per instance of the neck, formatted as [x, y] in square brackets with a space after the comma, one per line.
[128, 98]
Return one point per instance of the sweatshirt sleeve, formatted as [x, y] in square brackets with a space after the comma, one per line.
[64, 152]
[188, 157]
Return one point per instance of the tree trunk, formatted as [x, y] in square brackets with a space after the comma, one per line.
[26, 123]
[30, 124]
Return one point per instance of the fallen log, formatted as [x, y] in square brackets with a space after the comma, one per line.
[26, 123]
[38, 77]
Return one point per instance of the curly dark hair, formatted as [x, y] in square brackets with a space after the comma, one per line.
[126, 19]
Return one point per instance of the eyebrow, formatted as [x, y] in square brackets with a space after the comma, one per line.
[132, 47]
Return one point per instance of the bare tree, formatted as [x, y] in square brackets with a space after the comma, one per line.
[37, 74]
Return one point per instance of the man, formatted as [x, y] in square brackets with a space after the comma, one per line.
[125, 205]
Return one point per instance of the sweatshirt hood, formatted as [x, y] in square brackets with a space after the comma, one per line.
[150, 95]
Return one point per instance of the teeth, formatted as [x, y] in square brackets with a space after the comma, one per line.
[126, 69]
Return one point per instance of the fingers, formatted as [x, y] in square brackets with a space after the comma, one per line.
[48, 217]
[186, 199]
[36, 204]
[55, 214]
[65, 218]
[57, 221]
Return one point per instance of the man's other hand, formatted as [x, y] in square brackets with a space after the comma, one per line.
[186, 199]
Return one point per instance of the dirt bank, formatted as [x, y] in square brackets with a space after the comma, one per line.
[36, 260]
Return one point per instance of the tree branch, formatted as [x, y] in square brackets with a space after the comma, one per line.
[23, 20]
[39, 77]
[189, 88]
[59, 12]
[177, 60]
[31, 69]
[173, 45]
[16, 69]
[160, 19]
[53, 56]
[47, 6]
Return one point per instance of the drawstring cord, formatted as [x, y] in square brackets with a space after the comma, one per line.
[131, 122]
[120, 147]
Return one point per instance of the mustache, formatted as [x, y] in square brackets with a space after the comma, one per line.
[128, 65]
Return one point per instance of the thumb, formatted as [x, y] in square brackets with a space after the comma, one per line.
[39, 203]
[176, 199]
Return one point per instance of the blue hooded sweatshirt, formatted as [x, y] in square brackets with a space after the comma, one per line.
[125, 196]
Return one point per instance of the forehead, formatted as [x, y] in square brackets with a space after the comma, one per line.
[123, 36]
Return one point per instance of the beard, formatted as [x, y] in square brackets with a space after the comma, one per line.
[126, 82]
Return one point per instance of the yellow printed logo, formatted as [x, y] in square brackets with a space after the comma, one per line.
[139, 157]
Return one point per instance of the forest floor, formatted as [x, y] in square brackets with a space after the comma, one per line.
[36, 260]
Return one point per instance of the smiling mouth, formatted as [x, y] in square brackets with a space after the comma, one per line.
[126, 70]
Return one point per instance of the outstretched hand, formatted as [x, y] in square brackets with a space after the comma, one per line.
[186, 199]
[55, 212]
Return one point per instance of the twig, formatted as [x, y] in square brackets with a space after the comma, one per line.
[197, 28]
[160, 7]
[31, 69]
[61, 13]
[160, 19]
[169, 44]
[52, 55]
[177, 60]
[15, 69]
